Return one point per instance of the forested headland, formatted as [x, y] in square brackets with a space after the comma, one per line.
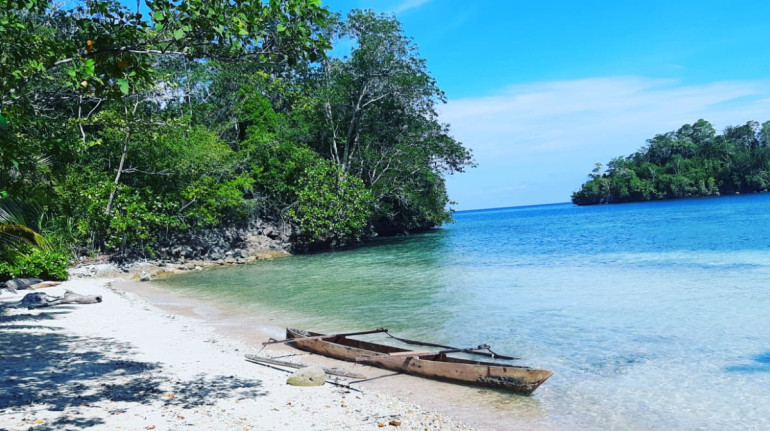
[119, 129]
[693, 161]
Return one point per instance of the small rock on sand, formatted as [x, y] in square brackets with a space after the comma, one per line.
[308, 376]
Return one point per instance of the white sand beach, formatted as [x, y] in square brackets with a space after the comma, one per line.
[126, 364]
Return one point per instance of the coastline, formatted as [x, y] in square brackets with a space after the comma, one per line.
[480, 408]
[129, 364]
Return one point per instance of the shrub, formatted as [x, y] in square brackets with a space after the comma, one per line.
[36, 262]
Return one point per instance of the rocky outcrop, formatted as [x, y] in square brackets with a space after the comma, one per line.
[226, 244]
[229, 244]
[194, 251]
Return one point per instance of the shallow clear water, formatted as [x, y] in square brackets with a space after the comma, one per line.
[651, 315]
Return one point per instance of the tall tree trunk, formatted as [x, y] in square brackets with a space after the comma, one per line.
[108, 210]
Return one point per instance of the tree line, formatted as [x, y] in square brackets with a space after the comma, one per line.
[120, 129]
[693, 161]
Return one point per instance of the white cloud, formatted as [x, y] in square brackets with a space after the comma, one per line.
[408, 4]
[549, 134]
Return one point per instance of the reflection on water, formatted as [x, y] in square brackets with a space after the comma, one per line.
[652, 316]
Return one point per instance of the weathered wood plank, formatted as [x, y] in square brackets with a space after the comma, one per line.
[319, 337]
[330, 371]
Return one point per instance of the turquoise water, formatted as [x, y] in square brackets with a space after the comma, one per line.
[651, 315]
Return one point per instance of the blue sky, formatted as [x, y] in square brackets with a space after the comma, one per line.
[542, 90]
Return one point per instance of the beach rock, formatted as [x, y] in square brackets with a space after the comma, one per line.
[308, 376]
[145, 276]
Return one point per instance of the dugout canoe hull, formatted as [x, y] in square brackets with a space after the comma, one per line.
[433, 365]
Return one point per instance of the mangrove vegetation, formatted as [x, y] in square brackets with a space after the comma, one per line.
[121, 128]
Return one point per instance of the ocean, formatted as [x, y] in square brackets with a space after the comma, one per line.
[652, 316]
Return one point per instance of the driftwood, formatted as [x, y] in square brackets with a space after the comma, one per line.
[41, 299]
[331, 371]
[26, 283]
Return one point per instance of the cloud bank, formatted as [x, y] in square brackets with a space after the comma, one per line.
[536, 142]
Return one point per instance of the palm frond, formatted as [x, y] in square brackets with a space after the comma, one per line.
[15, 232]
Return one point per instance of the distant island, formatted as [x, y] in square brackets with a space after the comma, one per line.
[693, 161]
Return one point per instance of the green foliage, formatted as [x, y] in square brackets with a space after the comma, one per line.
[24, 251]
[16, 233]
[375, 116]
[690, 162]
[277, 169]
[130, 129]
[103, 48]
[332, 208]
[181, 178]
[36, 262]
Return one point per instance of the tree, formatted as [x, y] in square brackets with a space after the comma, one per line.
[130, 128]
[377, 120]
[691, 161]
[64, 63]
[85, 82]
[330, 207]
[109, 47]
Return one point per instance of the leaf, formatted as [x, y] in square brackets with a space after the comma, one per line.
[123, 84]
[281, 28]
[178, 34]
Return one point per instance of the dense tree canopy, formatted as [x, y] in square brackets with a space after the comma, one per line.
[375, 117]
[122, 129]
[689, 162]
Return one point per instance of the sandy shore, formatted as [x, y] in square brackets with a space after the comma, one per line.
[126, 364]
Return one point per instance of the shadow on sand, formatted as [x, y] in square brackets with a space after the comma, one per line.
[42, 367]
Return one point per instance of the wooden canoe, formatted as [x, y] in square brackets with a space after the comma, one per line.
[433, 365]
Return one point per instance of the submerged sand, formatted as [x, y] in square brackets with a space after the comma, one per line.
[128, 364]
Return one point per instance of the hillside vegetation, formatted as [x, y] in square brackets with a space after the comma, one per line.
[690, 162]
[120, 130]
